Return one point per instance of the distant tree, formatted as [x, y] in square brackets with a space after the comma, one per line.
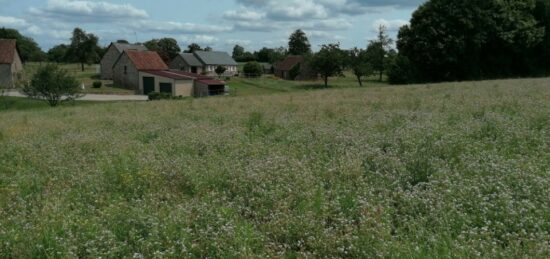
[58, 53]
[193, 47]
[298, 43]
[400, 71]
[122, 41]
[52, 84]
[359, 64]
[220, 70]
[83, 48]
[377, 51]
[329, 61]
[167, 48]
[253, 69]
[265, 55]
[278, 54]
[238, 52]
[208, 48]
[29, 49]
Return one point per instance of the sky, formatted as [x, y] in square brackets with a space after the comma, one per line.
[219, 24]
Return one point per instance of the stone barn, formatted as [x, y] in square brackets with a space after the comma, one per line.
[126, 70]
[113, 53]
[11, 65]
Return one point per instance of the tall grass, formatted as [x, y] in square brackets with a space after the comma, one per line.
[447, 170]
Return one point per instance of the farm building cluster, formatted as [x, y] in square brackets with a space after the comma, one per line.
[190, 74]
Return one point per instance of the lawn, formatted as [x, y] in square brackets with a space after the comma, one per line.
[457, 170]
[86, 77]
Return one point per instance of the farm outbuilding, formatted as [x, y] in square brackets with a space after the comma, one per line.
[179, 83]
[126, 70]
[11, 65]
[284, 69]
[113, 53]
[205, 62]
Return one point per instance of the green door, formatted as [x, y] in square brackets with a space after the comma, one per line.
[148, 85]
[166, 88]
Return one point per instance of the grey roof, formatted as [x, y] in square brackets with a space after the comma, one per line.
[121, 47]
[215, 58]
[191, 60]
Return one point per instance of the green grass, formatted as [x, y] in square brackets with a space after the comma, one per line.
[87, 77]
[425, 171]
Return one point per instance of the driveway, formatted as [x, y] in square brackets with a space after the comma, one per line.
[98, 97]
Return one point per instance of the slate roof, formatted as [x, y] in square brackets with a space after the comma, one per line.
[146, 60]
[191, 60]
[289, 63]
[121, 47]
[7, 51]
[215, 58]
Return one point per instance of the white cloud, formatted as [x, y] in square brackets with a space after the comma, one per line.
[90, 11]
[199, 39]
[13, 22]
[179, 28]
[391, 25]
[243, 15]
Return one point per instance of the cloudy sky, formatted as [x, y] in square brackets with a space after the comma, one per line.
[217, 23]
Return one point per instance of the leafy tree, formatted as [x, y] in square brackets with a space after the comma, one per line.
[329, 61]
[238, 52]
[193, 47]
[464, 40]
[295, 71]
[253, 69]
[377, 51]
[220, 70]
[29, 49]
[58, 53]
[167, 48]
[298, 43]
[208, 48]
[400, 71]
[359, 64]
[52, 84]
[122, 41]
[83, 48]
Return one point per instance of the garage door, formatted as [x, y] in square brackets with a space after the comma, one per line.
[148, 85]
[166, 88]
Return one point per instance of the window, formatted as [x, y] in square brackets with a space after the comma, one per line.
[125, 70]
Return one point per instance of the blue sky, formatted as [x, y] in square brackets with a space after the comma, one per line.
[217, 23]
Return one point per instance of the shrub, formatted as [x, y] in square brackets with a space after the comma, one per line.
[97, 84]
[52, 84]
[400, 71]
[253, 69]
[154, 96]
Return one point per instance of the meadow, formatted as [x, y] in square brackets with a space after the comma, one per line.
[456, 170]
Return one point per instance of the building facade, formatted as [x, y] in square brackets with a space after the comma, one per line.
[111, 56]
[11, 65]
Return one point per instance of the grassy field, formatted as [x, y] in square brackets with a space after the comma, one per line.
[445, 170]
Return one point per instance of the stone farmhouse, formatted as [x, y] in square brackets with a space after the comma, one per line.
[11, 65]
[303, 70]
[113, 53]
[205, 63]
[146, 72]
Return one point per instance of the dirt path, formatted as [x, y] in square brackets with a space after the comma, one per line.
[98, 97]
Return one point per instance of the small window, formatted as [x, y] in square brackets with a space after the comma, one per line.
[125, 70]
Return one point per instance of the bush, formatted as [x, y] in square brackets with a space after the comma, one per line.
[154, 96]
[400, 71]
[253, 69]
[97, 84]
[52, 84]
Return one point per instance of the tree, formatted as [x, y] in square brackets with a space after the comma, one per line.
[58, 53]
[220, 70]
[467, 40]
[52, 84]
[122, 41]
[253, 69]
[193, 47]
[29, 49]
[298, 43]
[377, 51]
[329, 61]
[167, 48]
[238, 52]
[359, 64]
[83, 48]
[400, 71]
[208, 48]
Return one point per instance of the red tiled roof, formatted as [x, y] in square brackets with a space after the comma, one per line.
[7, 51]
[289, 62]
[211, 82]
[146, 60]
[178, 75]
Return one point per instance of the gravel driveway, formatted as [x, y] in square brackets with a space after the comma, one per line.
[98, 97]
